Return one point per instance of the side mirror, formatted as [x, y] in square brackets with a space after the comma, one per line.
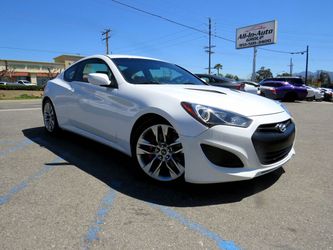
[98, 79]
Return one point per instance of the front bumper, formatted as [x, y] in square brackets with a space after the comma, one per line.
[238, 141]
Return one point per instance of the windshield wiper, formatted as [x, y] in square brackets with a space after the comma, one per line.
[150, 82]
[189, 83]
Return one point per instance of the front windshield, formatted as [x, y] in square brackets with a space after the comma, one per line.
[146, 71]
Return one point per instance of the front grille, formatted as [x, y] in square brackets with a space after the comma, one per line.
[273, 142]
[221, 158]
[272, 127]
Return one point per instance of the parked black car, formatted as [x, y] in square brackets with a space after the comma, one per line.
[328, 94]
[221, 81]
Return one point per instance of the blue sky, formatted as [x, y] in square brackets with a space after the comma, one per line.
[56, 27]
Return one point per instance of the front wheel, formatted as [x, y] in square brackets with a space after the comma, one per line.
[159, 151]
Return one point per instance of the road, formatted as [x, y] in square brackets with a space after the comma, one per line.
[70, 192]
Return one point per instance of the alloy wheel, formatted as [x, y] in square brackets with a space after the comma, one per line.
[160, 153]
[49, 117]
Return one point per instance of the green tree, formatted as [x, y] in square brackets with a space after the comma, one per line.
[218, 67]
[231, 76]
[284, 74]
[263, 73]
[324, 79]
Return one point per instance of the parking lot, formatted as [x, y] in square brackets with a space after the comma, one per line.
[70, 192]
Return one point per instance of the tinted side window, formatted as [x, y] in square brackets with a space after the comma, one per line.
[93, 66]
[272, 84]
[296, 81]
[267, 84]
[70, 73]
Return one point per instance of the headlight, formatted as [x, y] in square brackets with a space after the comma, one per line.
[211, 116]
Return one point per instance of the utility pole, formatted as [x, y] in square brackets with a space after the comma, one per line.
[210, 46]
[291, 65]
[254, 64]
[306, 64]
[106, 39]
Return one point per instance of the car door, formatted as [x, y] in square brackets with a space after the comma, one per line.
[95, 107]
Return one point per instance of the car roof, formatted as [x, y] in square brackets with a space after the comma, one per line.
[274, 81]
[110, 56]
[218, 77]
[283, 77]
[113, 56]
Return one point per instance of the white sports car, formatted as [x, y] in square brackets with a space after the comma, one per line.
[314, 94]
[168, 120]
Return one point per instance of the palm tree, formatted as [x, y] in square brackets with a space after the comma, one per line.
[218, 67]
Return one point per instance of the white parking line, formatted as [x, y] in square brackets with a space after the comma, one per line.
[24, 109]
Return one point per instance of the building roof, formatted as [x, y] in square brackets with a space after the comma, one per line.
[65, 57]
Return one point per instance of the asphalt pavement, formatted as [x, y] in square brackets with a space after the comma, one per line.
[70, 192]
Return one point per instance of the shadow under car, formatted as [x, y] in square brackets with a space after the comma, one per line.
[118, 171]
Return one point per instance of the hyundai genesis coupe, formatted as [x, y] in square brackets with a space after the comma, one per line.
[169, 121]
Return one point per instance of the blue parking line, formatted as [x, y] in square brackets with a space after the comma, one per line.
[221, 243]
[95, 228]
[6, 141]
[24, 184]
[15, 148]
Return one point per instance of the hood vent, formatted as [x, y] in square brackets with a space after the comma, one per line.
[208, 90]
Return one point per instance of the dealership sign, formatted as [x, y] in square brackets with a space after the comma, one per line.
[256, 35]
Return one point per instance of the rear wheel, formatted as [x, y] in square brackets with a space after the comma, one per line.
[290, 97]
[158, 151]
[50, 117]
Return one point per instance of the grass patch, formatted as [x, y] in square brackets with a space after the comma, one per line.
[25, 96]
[20, 94]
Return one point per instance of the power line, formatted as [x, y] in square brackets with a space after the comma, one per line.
[191, 27]
[277, 51]
[172, 21]
[165, 40]
[39, 50]
[159, 16]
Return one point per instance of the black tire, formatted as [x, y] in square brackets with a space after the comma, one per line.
[50, 117]
[158, 152]
[290, 97]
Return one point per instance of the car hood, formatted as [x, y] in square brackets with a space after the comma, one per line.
[218, 97]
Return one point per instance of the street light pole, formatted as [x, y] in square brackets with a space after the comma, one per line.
[307, 61]
[306, 64]
[253, 78]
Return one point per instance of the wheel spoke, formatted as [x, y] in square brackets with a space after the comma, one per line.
[156, 172]
[172, 173]
[141, 151]
[178, 151]
[177, 142]
[145, 143]
[155, 132]
[148, 166]
[160, 134]
[51, 124]
[165, 132]
[177, 165]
